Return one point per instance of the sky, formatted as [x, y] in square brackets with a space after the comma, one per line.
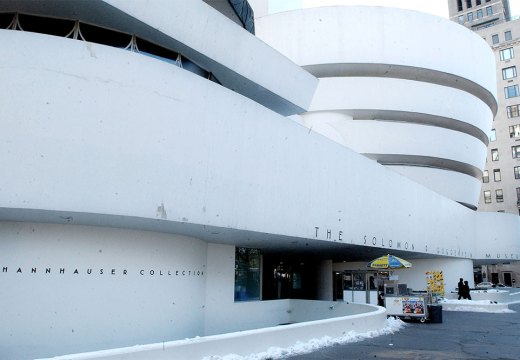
[436, 7]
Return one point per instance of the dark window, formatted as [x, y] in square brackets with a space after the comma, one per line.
[104, 36]
[50, 26]
[5, 20]
[513, 111]
[485, 176]
[509, 72]
[499, 195]
[515, 151]
[492, 135]
[507, 54]
[156, 50]
[494, 154]
[511, 91]
[514, 131]
[487, 197]
[468, 3]
[496, 175]
[247, 274]
[516, 170]
[479, 2]
[459, 5]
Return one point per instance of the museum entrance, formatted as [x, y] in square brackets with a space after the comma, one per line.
[358, 285]
[286, 277]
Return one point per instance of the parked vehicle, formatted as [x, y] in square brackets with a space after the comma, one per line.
[484, 285]
[500, 285]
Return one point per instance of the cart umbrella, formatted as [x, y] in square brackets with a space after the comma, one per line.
[389, 262]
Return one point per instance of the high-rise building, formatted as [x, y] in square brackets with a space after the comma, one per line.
[501, 177]
[479, 14]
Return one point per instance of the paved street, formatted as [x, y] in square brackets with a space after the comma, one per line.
[462, 335]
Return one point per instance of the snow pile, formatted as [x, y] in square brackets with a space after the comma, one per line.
[392, 325]
[474, 306]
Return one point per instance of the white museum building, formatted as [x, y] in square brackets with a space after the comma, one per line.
[168, 174]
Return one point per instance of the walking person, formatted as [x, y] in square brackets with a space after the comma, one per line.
[465, 292]
[460, 287]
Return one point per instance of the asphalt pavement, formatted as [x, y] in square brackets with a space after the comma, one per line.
[461, 335]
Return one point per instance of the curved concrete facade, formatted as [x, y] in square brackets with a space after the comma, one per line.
[401, 103]
[116, 160]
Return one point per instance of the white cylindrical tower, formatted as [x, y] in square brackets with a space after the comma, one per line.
[406, 94]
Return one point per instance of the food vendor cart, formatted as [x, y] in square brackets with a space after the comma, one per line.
[398, 299]
[407, 306]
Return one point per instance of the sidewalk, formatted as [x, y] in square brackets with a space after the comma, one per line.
[461, 335]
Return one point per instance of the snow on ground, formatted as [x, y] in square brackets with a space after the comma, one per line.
[392, 325]
[473, 306]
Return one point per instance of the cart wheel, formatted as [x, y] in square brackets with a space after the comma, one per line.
[423, 319]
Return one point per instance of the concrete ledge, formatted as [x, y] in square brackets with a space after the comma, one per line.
[475, 306]
[245, 342]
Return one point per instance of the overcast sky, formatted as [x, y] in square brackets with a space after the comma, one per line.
[436, 7]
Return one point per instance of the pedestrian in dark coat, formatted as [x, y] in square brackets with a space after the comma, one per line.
[465, 292]
[460, 287]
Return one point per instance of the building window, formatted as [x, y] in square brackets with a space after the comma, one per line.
[507, 54]
[514, 131]
[508, 36]
[485, 176]
[494, 39]
[461, 19]
[470, 16]
[487, 196]
[515, 151]
[509, 72]
[511, 91]
[496, 175]
[517, 195]
[479, 14]
[494, 154]
[499, 195]
[459, 5]
[479, 2]
[516, 170]
[513, 111]
[492, 135]
[468, 3]
[489, 10]
[247, 274]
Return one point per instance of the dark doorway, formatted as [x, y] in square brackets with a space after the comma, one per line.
[507, 279]
[338, 286]
[494, 278]
[289, 278]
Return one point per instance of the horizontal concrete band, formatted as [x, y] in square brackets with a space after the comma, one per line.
[416, 160]
[405, 101]
[455, 185]
[397, 71]
[393, 137]
[398, 45]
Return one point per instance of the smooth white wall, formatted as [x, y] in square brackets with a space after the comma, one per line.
[122, 134]
[151, 288]
[379, 35]
[220, 290]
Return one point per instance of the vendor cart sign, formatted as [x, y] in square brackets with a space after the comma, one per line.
[435, 281]
[413, 306]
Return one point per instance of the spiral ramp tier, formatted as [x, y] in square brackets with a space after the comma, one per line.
[396, 96]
